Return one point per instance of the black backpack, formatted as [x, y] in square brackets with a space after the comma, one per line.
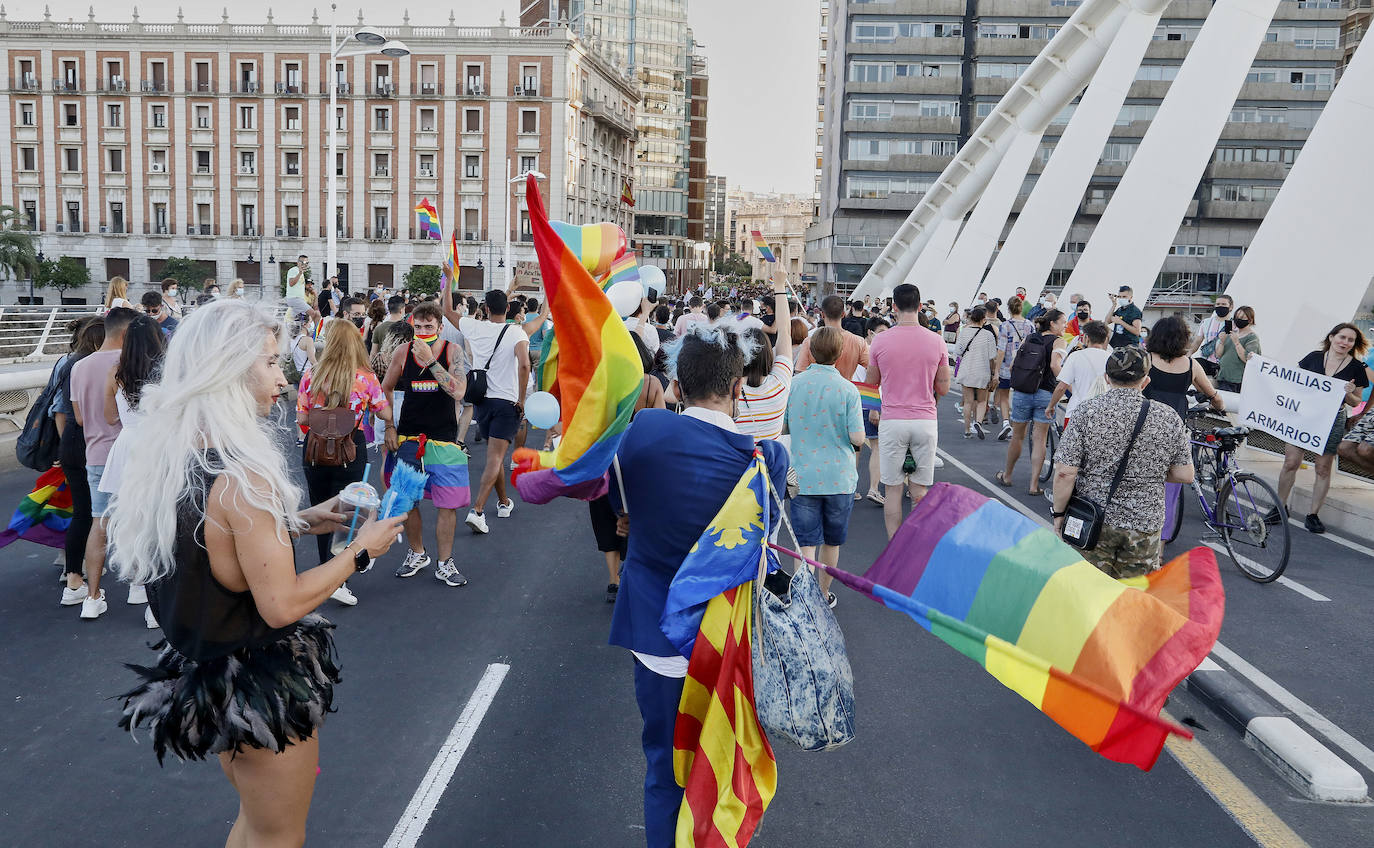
[1028, 369]
[38, 443]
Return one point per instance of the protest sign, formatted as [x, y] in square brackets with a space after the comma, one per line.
[1295, 405]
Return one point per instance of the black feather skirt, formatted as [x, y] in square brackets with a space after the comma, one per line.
[264, 697]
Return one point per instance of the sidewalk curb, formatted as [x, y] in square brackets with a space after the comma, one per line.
[1308, 765]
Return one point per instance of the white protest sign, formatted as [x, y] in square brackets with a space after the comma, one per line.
[1295, 405]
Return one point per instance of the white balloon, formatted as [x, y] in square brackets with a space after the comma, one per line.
[652, 277]
[625, 297]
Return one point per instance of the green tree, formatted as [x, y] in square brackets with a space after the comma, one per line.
[735, 265]
[61, 274]
[422, 279]
[18, 256]
[189, 273]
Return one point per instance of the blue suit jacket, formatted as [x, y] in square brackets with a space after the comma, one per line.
[678, 472]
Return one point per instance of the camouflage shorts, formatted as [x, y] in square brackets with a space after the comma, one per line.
[1126, 553]
[1363, 431]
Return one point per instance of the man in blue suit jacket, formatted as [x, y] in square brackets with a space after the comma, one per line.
[678, 471]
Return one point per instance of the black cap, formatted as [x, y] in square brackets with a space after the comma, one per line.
[1125, 289]
[1128, 365]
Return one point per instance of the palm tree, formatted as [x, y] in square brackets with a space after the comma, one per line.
[18, 256]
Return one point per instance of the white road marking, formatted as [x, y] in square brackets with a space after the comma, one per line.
[1282, 581]
[1340, 540]
[998, 491]
[441, 771]
[1314, 719]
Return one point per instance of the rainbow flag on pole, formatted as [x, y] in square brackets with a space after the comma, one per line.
[44, 514]
[598, 375]
[1096, 655]
[429, 220]
[869, 396]
[764, 250]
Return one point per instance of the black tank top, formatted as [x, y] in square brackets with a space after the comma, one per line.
[1170, 389]
[200, 618]
[1048, 380]
[427, 408]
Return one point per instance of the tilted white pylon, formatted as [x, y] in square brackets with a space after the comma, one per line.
[1129, 244]
[1310, 263]
[1052, 81]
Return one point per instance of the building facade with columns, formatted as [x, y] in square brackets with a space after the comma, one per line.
[127, 143]
[782, 219]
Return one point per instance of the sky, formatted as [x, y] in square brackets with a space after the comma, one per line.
[762, 56]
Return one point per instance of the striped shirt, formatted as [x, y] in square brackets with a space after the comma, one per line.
[761, 408]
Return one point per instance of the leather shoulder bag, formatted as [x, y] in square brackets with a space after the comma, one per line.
[1084, 517]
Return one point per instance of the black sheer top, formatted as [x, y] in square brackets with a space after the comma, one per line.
[200, 618]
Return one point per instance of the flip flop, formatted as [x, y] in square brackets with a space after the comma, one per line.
[1036, 492]
[1002, 481]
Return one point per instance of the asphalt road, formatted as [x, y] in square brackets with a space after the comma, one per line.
[944, 756]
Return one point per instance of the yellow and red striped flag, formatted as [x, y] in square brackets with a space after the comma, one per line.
[627, 195]
[721, 757]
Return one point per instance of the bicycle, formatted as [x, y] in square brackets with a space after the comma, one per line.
[1245, 512]
[1052, 446]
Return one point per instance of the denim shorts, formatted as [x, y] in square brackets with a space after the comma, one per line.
[1026, 407]
[100, 501]
[821, 519]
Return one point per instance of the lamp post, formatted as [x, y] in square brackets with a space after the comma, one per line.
[365, 40]
[510, 198]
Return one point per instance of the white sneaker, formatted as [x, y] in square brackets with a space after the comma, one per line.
[138, 595]
[477, 522]
[72, 597]
[150, 620]
[503, 510]
[513, 464]
[939, 463]
[345, 596]
[93, 608]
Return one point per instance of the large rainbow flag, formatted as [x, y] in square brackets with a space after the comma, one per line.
[869, 396]
[44, 514]
[1096, 655]
[598, 375]
[428, 217]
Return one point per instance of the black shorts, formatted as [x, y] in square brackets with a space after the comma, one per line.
[497, 419]
[603, 527]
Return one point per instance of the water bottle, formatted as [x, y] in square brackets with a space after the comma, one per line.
[359, 502]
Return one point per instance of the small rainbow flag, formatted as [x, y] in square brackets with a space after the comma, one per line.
[1096, 655]
[44, 514]
[764, 250]
[869, 396]
[625, 267]
[429, 220]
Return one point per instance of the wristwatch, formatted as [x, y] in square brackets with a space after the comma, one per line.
[1054, 514]
[362, 560]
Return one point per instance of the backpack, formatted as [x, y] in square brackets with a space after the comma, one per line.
[1028, 369]
[38, 443]
[330, 437]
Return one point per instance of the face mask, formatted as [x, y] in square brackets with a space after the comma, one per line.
[1241, 323]
[171, 292]
[1222, 311]
[1085, 316]
[1045, 302]
[427, 339]
[357, 320]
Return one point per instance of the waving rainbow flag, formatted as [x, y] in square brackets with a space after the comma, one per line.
[598, 375]
[764, 250]
[625, 267]
[1096, 655]
[44, 514]
[429, 220]
[869, 396]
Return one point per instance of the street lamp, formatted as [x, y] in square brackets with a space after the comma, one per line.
[510, 192]
[363, 41]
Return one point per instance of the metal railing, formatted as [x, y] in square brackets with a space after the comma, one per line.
[35, 333]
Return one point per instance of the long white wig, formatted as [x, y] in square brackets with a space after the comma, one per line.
[204, 401]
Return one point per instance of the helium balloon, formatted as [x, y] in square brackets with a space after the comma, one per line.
[596, 246]
[652, 278]
[625, 297]
[541, 408]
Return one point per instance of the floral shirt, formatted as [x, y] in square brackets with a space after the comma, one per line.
[365, 395]
[1095, 441]
[1010, 337]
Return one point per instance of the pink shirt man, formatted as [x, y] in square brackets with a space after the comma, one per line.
[908, 358]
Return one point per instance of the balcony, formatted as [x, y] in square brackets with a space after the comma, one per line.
[290, 231]
[1246, 171]
[1240, 210]
[918, 7]
[379, 233]
[417, 234]
[199, 230]
[905, 125]
[288, 88]
[601, 110]
[1017, 48]
[343, 89]
[159, 230]
[474, 87]
[66, 86]
[200, 87]
[341, 232]
[427, 89]
[909, 85]
[116, 229]
[111, 84]
[248, 87]
[523, 89]
[27, 83]
[474, 235]
[383, 88]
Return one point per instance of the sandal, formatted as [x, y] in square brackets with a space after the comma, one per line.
[1002, 481]
[1034, 492]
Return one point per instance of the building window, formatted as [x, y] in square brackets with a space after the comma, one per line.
[70, 81]
[248, 77]
[203, 76]
[114, 115]
[292, 116]
[73, 216]
[160, 217]
[116, 217]
[472, 167]
[248, 162]
[157, 75]
[202, 161]
[429, 79]
[291, 163]
[70, 115]
[526, 234]
[339, 162]
[472, 75]
[529, 163]
[382, 73]
[381, 164]
[28, 159]
[26, 113]
[248, 215]
[471, 224]
[203, 219]
[202, 117]
[157, 116]
[529, 121]
[427, 120]
[116, 161]
[380, 221]
[293, 221]
[472, 120]
[27, 79]
[426, 165]
[381, 119]
[157, 161]
[247, 117]
[529, 79]
[31, 213]
[292, 76]
[72, 158]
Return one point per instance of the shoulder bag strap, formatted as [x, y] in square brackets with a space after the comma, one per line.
[499, 336]
[1121, 466]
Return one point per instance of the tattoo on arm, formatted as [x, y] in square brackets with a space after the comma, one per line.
[451, 385]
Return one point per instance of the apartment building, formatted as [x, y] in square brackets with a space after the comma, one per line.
[716, 214]
[909, 80]
[130, 142]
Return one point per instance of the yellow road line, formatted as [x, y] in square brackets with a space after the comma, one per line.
[1253, 815]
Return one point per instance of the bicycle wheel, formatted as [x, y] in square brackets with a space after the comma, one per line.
[1173, 512]
[1051, 446]
[1258, 548]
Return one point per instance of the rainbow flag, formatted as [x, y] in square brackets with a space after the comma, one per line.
[598, 375]
[721, 757]
[625, 267]
[764, 250]
[444, 464]
[44, 514]
[869, 396]
[596, 246]
[1096, 655]
[429, 220]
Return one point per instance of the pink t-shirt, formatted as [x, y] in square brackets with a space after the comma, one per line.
[687, 319]
[908, 358]
[88, 391]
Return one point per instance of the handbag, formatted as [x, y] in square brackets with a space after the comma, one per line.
[476, 390]
[1084, 517]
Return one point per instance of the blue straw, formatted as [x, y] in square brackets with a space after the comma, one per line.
[353, 525]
